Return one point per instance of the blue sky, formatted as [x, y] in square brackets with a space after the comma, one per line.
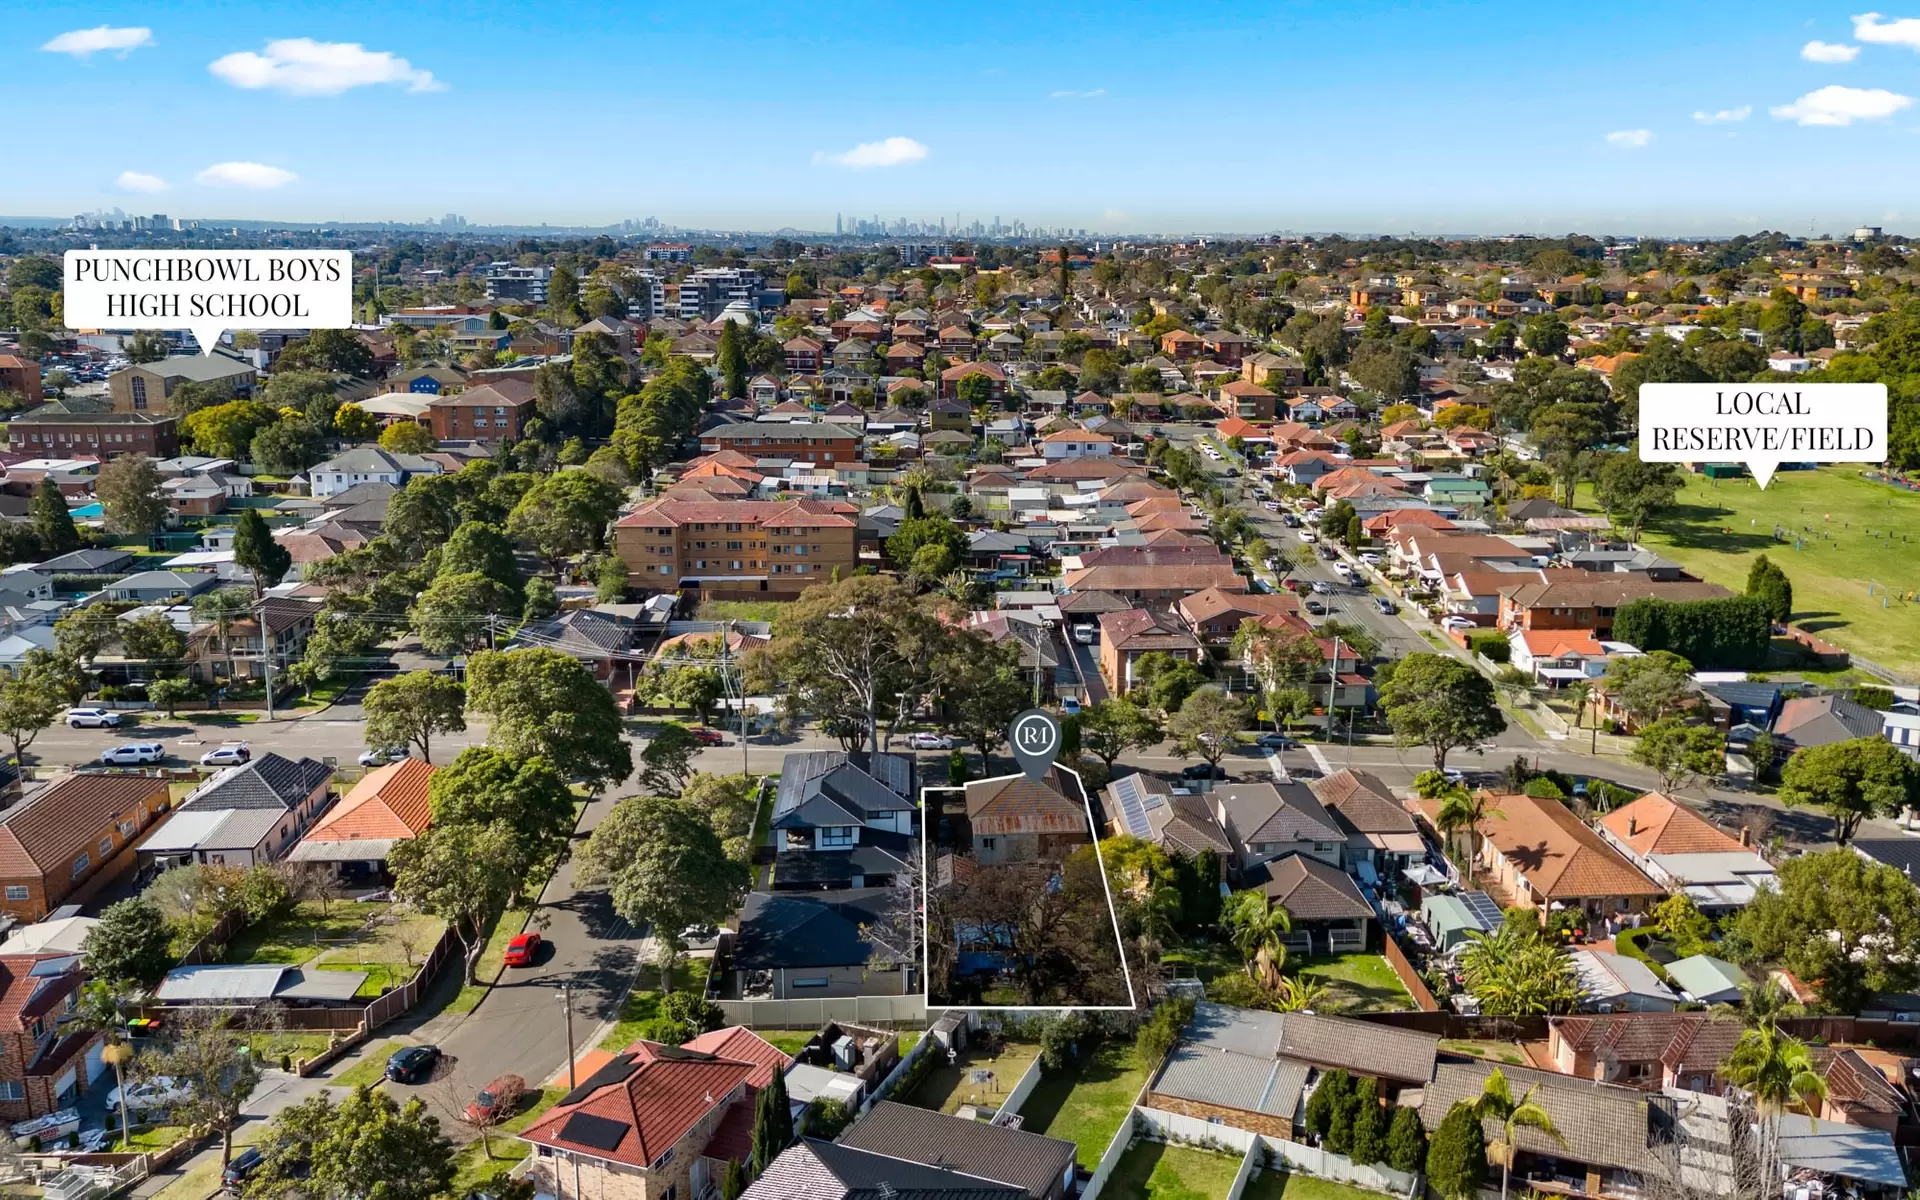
[1153, 117]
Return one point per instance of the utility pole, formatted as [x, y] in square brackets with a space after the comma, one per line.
[1333, 686]
[566, 1000]
[266, 653]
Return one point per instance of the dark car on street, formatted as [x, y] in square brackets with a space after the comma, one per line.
[1204, 771]
[244, 1164]
[413, 1064]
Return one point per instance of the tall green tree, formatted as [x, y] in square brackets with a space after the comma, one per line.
[1847, 925]
[1778, 1071]
[1207, 724]
[1112, 727]
[368, 1146]
[413, 708]
[462, 873]
[1680, 753]
[731, 357]
[772, 1123]
[1457, 1157]
[1633, 491]
[542, 702]
[255, 550]
[665, 868]
[52, 522]
[130, 496]
[1851, 781]
[1437, 701]
[32, 696]
[564, 514]
[130, 943]
[208, 1063]
[1497, 1103]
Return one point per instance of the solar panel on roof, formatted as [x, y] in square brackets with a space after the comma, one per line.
[614, 1071]
[601, 1133]
[1133, 814]
[1482, 906]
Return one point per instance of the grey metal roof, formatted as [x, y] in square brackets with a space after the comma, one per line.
[199, 368]
[241, 982]
[1361, 1047]
[1243, 1081]
[1029, 1161]
[817, 1170]
[272, 781]
[830, 787]
[1265, 812]
[1831, 1148]
[807, 929]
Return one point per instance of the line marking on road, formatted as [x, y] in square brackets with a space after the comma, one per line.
[1279, 768]
[1319, 759]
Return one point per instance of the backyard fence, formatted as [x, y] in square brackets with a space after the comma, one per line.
[1409, 978]
[209, 947]
[1116, 1150]
[1250, 1164]
[907, 1011]
[886, 1086]
[1275, 1153]
[1029, 1080]
[408, 994]
[1307, 1160]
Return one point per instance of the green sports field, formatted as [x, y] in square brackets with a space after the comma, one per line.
[1853, 552]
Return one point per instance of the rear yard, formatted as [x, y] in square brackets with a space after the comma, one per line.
[1358, 983]
[1274, 1185]
[1086, 1103]
[946, 1088]
[1159, 1171]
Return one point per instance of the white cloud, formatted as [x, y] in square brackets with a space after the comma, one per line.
[1836, 105]
[83, 43]
[139, 181]
[1630, 139]
[1725, 115]
[304, 67]
[1065, 94]
[1901, 31]
[245, 175]
[890, 152]
[1829, 52]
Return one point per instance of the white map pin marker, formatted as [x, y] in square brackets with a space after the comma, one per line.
[1035, 738]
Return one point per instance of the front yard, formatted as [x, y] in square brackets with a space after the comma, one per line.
[472, 1167]
[1086, 1103]
[386, 941]
[643, 1002]
[946, 1088]
[1159, 1171]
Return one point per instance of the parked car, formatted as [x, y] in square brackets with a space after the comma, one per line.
[1276, 741]
[1270, 505]
[1309, 536]
[929, 741]
[134, 754]
[1289, 520]
[1455, 623]
[707, 737]
[1371, 558]
[1322, 588]
[92, 718]
[1086, 635]
[413, 1064]
[1070, 706]
[380, 756]
[230, 755]
[241, 1169]
[1315, 608]
[1205, 771]
[522, 950]
[1292, 585]
[1384, 605]
[497, 1100]
[1329, 553]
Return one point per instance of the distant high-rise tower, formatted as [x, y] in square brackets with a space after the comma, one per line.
[836, 225]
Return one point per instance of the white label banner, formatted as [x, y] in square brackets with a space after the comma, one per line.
[209, 291]
[1763, 424]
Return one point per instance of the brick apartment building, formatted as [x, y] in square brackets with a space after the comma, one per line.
[488, 414]
[56, 431]
[44, 1059]
[74, 831]
[802, 441]
[146, 387]
[21, 375]
[764, 549]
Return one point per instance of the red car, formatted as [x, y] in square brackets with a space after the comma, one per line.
[522, 950]
[497, 1100]
[708, 737]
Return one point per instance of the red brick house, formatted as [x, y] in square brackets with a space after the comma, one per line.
[44, 1062]
[72, 833]
[803, 356]
[951, 377]
[20, 375]
[55, 431]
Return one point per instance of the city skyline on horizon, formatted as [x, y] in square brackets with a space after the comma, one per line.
[1714, 120]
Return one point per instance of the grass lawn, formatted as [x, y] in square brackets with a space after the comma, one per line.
[201, 1180]
[1359, 983]
[1158, 1171]
[643, 1002]
[270, 1047]
[790, 1041]
[1273, 1185]
[740, 610]
[156, 1138]
[507, 926]
[471, 1165]
[1205, 960]
[1505, 1052]
[1086, 1103]
[339, 939]
[946, 1087]
[1716, 528]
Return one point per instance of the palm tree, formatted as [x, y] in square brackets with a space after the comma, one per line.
[98, 1009]
[222, 608]
[1775, 1069]
[1258, 928]
[1760, 1003]
[1298, 995]
[1496, 1102]
[1460, 808]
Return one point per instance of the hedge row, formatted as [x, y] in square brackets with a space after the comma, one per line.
[1730, 634]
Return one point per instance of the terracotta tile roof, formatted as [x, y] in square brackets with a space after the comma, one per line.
[1606, 591]
[636, 1119]
[24, 996]
[1554, 643]
[811, 514]
[1657, 824]
[1017, 804]
[1559, 855]
[50, 828]
[390, 802]
[1363, 801]
[1211, 604]
[1141, 629]
[741, 1044]
[1190, 578]
[1680, 1041]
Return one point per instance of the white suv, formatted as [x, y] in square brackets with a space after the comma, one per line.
[230, 755]
[93, 718]
[134, 754]
[929, 741]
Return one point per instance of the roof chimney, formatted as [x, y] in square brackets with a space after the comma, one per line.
[1633, 824]
[1746, 837]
